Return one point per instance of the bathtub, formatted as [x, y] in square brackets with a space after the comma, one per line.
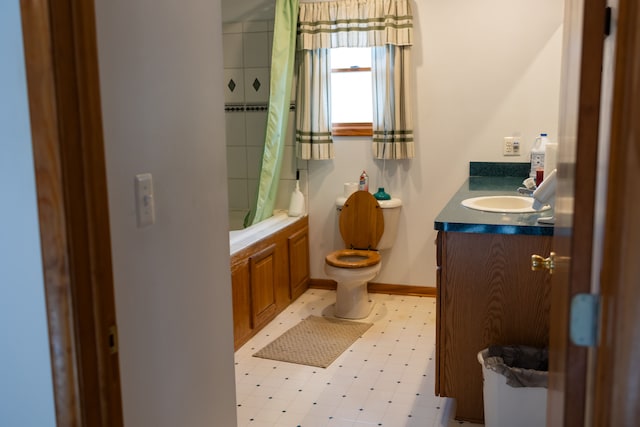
[240, 239]
[269, 268]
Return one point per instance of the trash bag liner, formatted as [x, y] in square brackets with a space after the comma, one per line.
[522, 366]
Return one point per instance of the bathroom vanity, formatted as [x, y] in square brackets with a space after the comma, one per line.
[487, 292]
[267, 276]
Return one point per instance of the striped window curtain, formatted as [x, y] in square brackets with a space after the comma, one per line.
[313, 112]
[392, 118]
[383, 24]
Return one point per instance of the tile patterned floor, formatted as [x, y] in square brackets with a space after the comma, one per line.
[386, 378]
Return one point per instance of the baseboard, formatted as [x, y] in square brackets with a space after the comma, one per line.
[380, 288]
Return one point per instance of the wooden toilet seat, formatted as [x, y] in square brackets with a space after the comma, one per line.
[361, 227]
[344, 258]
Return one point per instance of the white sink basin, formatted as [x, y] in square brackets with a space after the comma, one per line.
[504, 204]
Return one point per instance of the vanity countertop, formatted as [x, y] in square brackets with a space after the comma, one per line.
[455, 217]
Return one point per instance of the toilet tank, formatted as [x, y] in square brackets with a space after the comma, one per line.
[391, 215]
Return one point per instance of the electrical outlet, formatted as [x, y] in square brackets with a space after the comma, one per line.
[511, 146]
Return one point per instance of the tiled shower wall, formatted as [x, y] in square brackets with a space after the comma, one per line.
[247, 62]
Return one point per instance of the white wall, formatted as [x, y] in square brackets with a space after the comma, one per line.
[26, 388]
[161, 87]
[483, 70]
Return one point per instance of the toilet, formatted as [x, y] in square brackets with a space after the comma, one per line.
[367, 226]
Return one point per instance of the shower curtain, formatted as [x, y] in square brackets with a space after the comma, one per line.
[282, 63]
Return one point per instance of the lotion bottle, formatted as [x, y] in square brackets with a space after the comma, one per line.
[296, 204]
[537, 154]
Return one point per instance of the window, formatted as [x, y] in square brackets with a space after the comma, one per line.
[351, 93]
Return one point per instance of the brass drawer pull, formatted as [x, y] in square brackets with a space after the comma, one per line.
[541, 263]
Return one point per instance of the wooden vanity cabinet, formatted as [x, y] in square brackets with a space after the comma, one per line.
[266, 277]
[487, 294]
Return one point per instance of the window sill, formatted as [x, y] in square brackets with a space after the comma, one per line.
[352, 129]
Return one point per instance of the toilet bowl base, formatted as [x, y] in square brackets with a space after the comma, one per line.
[353, 302]
[352, 298]
[351, 314]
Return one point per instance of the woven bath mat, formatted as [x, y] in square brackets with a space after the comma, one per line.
[315, 341]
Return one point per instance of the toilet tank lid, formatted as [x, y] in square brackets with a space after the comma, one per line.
[384, 204]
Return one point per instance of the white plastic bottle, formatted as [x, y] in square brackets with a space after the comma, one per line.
[537, 154]
[296, 203]
[364, 182]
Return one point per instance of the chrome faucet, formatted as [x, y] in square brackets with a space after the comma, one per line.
[529, 187]
[526, 191]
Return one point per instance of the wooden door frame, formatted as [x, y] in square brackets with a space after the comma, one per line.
[66, 129]
[578, 137]
[617, 377]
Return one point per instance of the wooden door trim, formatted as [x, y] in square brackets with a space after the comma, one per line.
[617, 378]
[64, 103]
[579, 128]
[584, 199]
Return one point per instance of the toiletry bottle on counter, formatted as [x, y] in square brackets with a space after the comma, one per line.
[364, 182]
[537, 154]
[296, 203]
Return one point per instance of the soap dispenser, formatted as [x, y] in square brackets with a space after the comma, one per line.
[296, 204]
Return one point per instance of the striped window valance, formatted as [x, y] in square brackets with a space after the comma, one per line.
[354, 23]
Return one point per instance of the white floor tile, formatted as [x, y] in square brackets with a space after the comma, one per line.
[386, 378]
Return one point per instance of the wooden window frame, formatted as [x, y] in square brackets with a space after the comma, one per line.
[352, 129]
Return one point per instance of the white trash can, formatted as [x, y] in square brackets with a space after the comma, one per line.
[508, 406]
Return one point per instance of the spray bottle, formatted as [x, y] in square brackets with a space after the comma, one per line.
[364, 182]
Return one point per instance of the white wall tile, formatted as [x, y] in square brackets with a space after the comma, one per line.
[237, 162]
[233, 50]
[236, 218]
[270, 46]
[285, 188]
[235, 96]
[249, 128]
[252, 191]
[261, 94]
[290, 137]
[256, 127]
[237, 194]
[235, 127]
[256, 50]
[288, 170]
[254, 161]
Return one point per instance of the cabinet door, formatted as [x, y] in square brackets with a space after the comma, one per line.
[299, 262]
[263, 275]
[488, 295]
[242, 318]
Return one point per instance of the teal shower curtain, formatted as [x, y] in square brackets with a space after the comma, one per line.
[282, 64]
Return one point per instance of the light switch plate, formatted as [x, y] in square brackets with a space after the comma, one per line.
[511, 146]
[145, 205]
